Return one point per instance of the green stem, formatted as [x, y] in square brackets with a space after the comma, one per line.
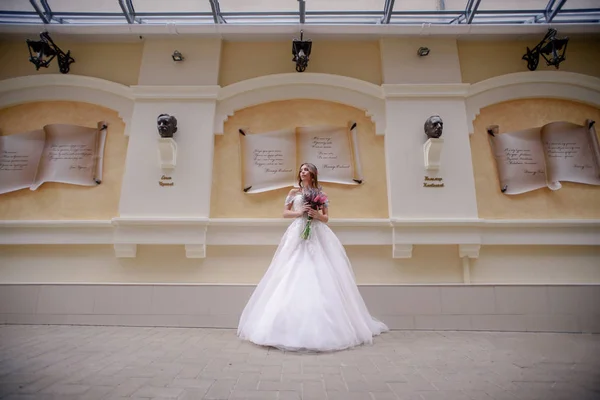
[306, 231]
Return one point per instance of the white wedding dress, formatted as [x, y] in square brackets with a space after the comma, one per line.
[308, 299]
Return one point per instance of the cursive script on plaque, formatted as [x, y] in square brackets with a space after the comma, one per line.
[69, 152]
[79, 167]
[534, 172]
[519, 156]
[278, 170]
[319, 142]
[271, 158]
[326, 155]
[336, 166]
[11, 161]
[562, 149]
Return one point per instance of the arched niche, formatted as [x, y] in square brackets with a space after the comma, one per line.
[228, 200]
[326, 87]
[530, 85]
[573, 201]
[59, 87]
[58, 201]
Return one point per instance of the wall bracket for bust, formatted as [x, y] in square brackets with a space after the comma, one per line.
[167, 153]
[432, 152]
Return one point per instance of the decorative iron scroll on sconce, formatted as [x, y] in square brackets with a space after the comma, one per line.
[301, 51]
[167, 148]
[42, 52]
[551, 46]
[432, 149]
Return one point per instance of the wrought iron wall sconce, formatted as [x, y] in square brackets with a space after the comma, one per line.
[42, 52]
[177, 56]
[301, 51]
[550, 46]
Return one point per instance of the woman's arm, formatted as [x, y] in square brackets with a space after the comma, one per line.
[325, 215]
[287, 210]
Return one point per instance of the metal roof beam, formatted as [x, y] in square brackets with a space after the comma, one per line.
[128, 11]
[47, 8]
[43, 14]
[471, 10]
[550, 13]
[387, 11]
[216, 11]
[49, 12]
[302, 10]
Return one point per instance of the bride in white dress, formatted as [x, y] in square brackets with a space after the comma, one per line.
[308, 299]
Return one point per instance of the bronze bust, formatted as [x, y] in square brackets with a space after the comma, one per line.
[434, 127]
[167, 125]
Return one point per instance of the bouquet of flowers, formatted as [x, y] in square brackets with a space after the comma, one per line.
[316, 200]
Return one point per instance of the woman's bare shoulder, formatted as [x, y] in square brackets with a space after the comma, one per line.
[294, 191]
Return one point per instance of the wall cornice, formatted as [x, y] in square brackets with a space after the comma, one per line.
[251, 32]
[174, 93]
[409, 91]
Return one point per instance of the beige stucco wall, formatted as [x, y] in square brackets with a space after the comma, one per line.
[245, 60]
[247, 264]
[480, 60]
[120, 62]
[573, 200]
[117, 62]
[368, 200]
[59, 201]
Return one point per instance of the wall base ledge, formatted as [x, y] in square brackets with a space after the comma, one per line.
[503, 308]
[198, 232]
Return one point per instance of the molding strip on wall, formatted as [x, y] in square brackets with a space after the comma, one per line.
[328, 87]
[195, 233]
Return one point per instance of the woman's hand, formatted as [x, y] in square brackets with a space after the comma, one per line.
[314, 214]
[303, 210]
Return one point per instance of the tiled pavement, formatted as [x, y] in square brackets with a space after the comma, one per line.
[84, 362]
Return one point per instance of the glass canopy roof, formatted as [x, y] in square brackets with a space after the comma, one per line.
[288, 12]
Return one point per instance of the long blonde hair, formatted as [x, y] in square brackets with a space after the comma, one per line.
[313, 175]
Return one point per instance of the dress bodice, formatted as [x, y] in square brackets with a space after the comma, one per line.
[296, 201]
